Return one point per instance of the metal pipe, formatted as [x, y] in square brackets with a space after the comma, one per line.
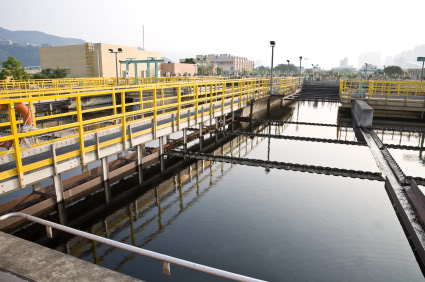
[166, 259]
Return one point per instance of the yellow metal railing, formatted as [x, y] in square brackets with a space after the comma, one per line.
[148, 103]
[382, 90]
[66, 84]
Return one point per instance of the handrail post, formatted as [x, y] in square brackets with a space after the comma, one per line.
[196, 89]
[223, 96]
[155, 123]
[179, 100]
[141, 99]
[211, 100]
[114, 103]
[81, 131]
[123, 121]
[233, 94]
[16, 148]
[240, 94]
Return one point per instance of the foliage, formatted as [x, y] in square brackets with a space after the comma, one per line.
[393, 70]
[262, 69]
[12, 67]
[189, 61]
[51, 73]
[285, 68]
[206, 69]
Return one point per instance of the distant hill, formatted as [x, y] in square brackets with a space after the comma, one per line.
[28, 55]
[25, 45]
[36, 37]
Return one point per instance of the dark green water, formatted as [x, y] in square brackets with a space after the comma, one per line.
[277, 226]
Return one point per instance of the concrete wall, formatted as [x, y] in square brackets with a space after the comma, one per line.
[72, 57]
[108, 60]
[93, 60]
[178, 69]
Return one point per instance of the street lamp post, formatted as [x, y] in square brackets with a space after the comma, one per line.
[116, 61]
[301, 58]
[365, 71]
[288, 66]
[272, 44]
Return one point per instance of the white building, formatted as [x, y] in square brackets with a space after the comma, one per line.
[227, 63]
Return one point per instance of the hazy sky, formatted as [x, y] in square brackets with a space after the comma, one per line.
[324, 31]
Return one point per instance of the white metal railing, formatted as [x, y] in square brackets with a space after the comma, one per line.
[167, 260]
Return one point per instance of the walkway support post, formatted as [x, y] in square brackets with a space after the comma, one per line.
[105, 169]
[161, 153]
[57, 181]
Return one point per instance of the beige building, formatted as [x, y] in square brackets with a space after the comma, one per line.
[95, 60]
[178, 69]
[227, 63]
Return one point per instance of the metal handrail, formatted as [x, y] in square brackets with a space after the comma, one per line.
[167, 260]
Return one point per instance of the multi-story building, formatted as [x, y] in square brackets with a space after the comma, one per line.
[227, 63]
[95, 60]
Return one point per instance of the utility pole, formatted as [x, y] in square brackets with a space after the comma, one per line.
[288, 67]
[143, 37]
[301, 58]
[272, 44]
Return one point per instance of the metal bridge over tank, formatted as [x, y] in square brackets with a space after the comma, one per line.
[130, 115]
[397, 95]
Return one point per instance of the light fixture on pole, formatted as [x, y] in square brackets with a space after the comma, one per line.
[301, 58]
[288, 66]
[365, 71]
[116, 61]
[272, 44]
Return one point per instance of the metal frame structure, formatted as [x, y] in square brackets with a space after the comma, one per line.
[131, 124]
[167, 260]
[148, 62]
[405, 91]
[58, 86]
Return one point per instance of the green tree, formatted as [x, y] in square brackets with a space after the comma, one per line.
[393, 71]
[12, 67]
[285, 68]
[51, 74]
[262, 70]
[189, 61]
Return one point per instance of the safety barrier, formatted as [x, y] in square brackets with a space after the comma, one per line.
[132, 114]
[55, 86]
[167, 260]
[412, 91]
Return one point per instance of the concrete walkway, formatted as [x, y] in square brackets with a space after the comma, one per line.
[21, 260]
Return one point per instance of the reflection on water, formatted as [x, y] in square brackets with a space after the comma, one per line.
[314, 111]
[411, 162]
[277, 225]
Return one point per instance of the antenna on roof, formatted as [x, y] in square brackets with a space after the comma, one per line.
[143, 37]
